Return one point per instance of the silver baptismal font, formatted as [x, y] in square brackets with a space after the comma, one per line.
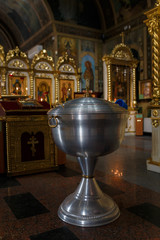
[88, 128]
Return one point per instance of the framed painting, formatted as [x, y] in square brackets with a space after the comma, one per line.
[17, 85]
[145, 89]
[43, 89]
[66, 90]
[120, 83]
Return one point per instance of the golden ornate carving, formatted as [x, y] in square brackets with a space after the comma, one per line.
[2, 56]
[66, 68]
[121, 55]
[43, 66]
[56, 77]
[67, 76]
[153, 24]
[66, 59]
[155, 122]
[78, 83]
[43, 75]
[16, 53]
[109, 82]
[31, 76]
[17, 73]
[134, 85]
[40, 57]
[155, 113]
[122, 51]
[17, 64]
[3, 83]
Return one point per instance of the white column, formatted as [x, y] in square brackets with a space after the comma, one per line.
[131, 123]
[153, 164]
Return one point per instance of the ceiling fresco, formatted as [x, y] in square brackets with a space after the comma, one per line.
[81, 12]
[125, 9]
[26, 15]
[23, 19]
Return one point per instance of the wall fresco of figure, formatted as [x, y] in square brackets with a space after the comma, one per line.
[65, 44]
[88, 72]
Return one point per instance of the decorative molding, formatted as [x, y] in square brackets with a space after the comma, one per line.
[66, 59]
[16, 64]
[66, 68]
[155, 123]
[153, 24]
[17, 54]
[42, 57]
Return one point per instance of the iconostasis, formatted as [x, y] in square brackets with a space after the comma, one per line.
[38, 79]
[15, 69]
[120, 80]
[68, 80]
[42, 80]
[120, 77]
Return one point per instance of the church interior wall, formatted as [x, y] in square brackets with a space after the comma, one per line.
[57, 36]
[79, 48]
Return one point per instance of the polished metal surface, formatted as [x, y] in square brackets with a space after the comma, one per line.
[88, 206]
[88, 128]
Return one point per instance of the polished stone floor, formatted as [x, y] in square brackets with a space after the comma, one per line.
[29, 204]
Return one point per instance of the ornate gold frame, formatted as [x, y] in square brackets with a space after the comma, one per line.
[17, 64]
[42, 66]
[145, 89]
[67, 69]
[121, 55]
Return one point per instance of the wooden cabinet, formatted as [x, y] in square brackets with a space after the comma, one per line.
[139, 125]
[26, 142]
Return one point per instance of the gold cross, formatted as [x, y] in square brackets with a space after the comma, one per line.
[33, 141]
[122, 35]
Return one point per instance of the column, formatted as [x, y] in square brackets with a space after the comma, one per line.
[32, 92]
[56, 76]
[153, 24]
[3, 82]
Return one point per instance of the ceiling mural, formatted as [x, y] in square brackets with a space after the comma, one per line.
[24, 15]
[126, 9]
[21, 20]
[82, 12]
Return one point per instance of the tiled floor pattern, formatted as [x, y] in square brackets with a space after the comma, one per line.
[25, 205]
[29, 205]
